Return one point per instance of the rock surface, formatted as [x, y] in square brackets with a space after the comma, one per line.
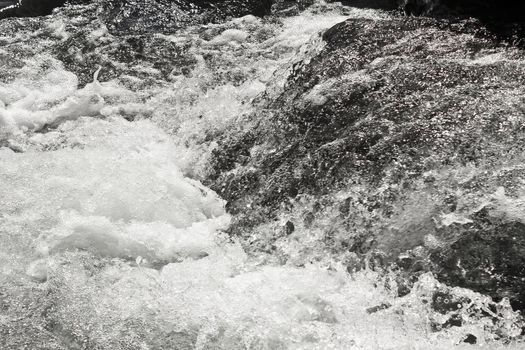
[153, 14]
[405, 128]
[139, 16]
[505, 18]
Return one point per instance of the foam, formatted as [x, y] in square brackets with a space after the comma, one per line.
[223, 301]
[113, 196]
[45, 94]
[230, 36]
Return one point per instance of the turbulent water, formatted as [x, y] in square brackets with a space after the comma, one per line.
[109, 240]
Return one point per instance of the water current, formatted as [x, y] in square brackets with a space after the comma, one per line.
[109, 240]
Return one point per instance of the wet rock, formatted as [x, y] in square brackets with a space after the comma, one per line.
[374, 113]
[141, 16]
[308, 219]
[377, 308]
[354, 263]
[80, 54]
[288, 228]
[384, 105]
[470, 339]
[238, 8]
[445, 302]
[405, 262]
[488, 257]
[404, 287]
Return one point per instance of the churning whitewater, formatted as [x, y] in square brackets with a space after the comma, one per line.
[110, 240]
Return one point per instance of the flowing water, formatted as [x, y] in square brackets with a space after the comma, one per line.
[110, 241]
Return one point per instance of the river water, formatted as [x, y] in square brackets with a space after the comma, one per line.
[110, 241]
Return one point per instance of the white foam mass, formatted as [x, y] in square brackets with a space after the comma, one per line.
[112, 188]
[46, 96]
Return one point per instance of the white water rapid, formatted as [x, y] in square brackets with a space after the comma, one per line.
[108, 239]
